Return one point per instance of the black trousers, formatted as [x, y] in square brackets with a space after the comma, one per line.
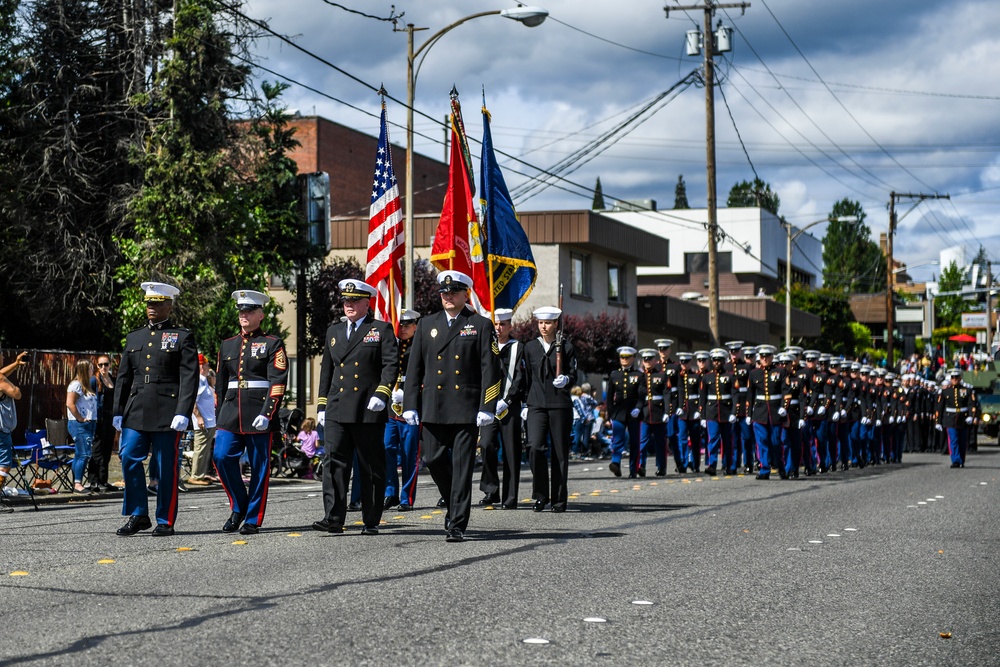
[449, 450]
[505, 435]
[543, 423]
[100, 456]
[342, 441]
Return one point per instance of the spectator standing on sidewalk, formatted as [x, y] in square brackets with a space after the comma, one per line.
[103, 385]
[81, 413]
[204, 425]
[9, 392]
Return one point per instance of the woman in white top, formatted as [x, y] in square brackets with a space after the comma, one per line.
[81, 411]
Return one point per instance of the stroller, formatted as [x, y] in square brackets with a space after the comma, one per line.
[286, 458]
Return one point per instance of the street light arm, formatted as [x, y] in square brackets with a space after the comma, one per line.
[441, 33]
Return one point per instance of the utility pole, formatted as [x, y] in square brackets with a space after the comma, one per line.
[890, 309]
[709, 48]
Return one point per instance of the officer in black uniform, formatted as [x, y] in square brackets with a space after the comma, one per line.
[454, 382]
[154, 394]
[765, 411]
[623, 411]
[954, 415]
[719, 397]
[672, 374]
[249, 388]
[503, 435]
[550, 409]
[360, 367]
[402, 441]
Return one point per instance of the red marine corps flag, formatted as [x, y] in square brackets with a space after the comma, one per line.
[386, 243]
[459, 242]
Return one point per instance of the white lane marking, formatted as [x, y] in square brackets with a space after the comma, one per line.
[535, 640]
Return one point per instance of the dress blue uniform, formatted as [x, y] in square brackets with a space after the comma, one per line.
[764, 396]
[955, 412]
[672, 374]
[623, 411]
[249, 388]
[719, 400]
[688, 416]
[654, 397]
[155, 390]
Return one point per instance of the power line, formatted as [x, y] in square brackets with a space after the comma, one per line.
[738, 135]
[877, 89]
[623, 46]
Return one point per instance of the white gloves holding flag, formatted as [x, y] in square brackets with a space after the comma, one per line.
[501, 407]
[483, 418]
[560, 381]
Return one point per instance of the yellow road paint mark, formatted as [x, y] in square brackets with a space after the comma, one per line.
[359, 523]
[699, 480]
[185, 549]
[653, 483]
[714, 479]
[940, 551]
[437, 512]
[685, 481]
[106, 561]
[240, 542]
[596, 493]
[427, 516]
[945, 635]
[295, 534]
[19, 573]
[745, 530]
[614, 490]
[489, 507]
[399, 516]
[526, 500]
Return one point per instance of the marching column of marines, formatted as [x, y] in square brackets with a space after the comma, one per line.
[453, 382]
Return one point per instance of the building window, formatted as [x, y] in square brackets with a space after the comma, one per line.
[616, 283]
[291, 388]
[697, 262]
[277, 282]
[579, 274]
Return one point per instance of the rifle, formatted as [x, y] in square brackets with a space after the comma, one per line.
[559, 336]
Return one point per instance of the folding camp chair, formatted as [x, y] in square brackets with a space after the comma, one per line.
[57, 458]
[22, 474]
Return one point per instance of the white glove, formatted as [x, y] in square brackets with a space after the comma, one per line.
[748, 420]
[938, 427]
[666, 418]
[696, 415]
[524, 412]
[117, 422]
[782, 412]
[902, 420]
[732, 419]
[321, 418]
[483, 418]
[968, 420]
[260, 422]
[892, 420]
[822, 410]
[809, 410]
[179, 423]
[501, 406]
[679, 412]
[836, 416]
[560, 382]
[397, 396]
[411, 418]
[634, 413]
[802, 424]
[376, 404]
[704, 423]
[878, 422]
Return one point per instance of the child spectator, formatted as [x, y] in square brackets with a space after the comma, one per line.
[308, 440]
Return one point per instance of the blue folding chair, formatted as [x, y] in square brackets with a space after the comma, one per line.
[22, 473]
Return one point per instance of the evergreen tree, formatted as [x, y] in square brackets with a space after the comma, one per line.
[680, 194]
[852, 262]
[757, 194]
[948, 309]
[598, 204]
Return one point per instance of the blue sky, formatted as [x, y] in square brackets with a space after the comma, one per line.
[831, 100]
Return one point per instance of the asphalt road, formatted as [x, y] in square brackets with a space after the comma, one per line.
[859, 568]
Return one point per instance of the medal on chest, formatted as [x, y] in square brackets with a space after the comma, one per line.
[168, 340]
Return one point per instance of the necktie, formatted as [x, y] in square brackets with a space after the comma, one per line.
[351, 328]
[450, 320]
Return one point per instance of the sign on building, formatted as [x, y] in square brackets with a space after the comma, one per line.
[973, 320]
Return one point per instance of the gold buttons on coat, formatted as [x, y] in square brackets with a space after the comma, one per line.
[147, 368]
[440, 371]
[440, 387]
[439, 356]
[456, 386]
[456, 372]
[456, 356]
[150, 344]
[148, 356]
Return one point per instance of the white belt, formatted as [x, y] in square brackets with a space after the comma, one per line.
[956, 409]
[673, 389]
[773, 398]
[743, 390]
[656, 398]
[724, 397]
[248, 384]
[794, 401]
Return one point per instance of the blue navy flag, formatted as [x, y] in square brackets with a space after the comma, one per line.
[511, 268]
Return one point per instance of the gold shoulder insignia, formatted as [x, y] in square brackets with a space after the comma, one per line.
[280, 361]
[496, 348]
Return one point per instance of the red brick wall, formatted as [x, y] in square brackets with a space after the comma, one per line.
[349, 157]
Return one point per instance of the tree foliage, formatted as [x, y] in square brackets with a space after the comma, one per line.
[758, 193]
[594, 337]
[598, 203]
[837, 333]
[852, 262]
[948, 309]
[681, 194]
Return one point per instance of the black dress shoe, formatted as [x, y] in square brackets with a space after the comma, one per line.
[405, 507]
[956, 465]
[747, 470]
[539, 506]
[711, 472]
[369, 530]
[233, 523]
[762, 476]
[615, 469]
[558, 508]
[660, 472]
[390, 502]
[442, 502]
[249, 529]
[642, 471]
[509, 506]
[354, 507]
[134, 525]
[489, 500]
[327, 526]
[455, 535]
[632, 476]
[163, 530]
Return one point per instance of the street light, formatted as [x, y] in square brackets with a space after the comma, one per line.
[788, 266]
[529, 16]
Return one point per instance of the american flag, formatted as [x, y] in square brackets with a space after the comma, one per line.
[386, 242]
